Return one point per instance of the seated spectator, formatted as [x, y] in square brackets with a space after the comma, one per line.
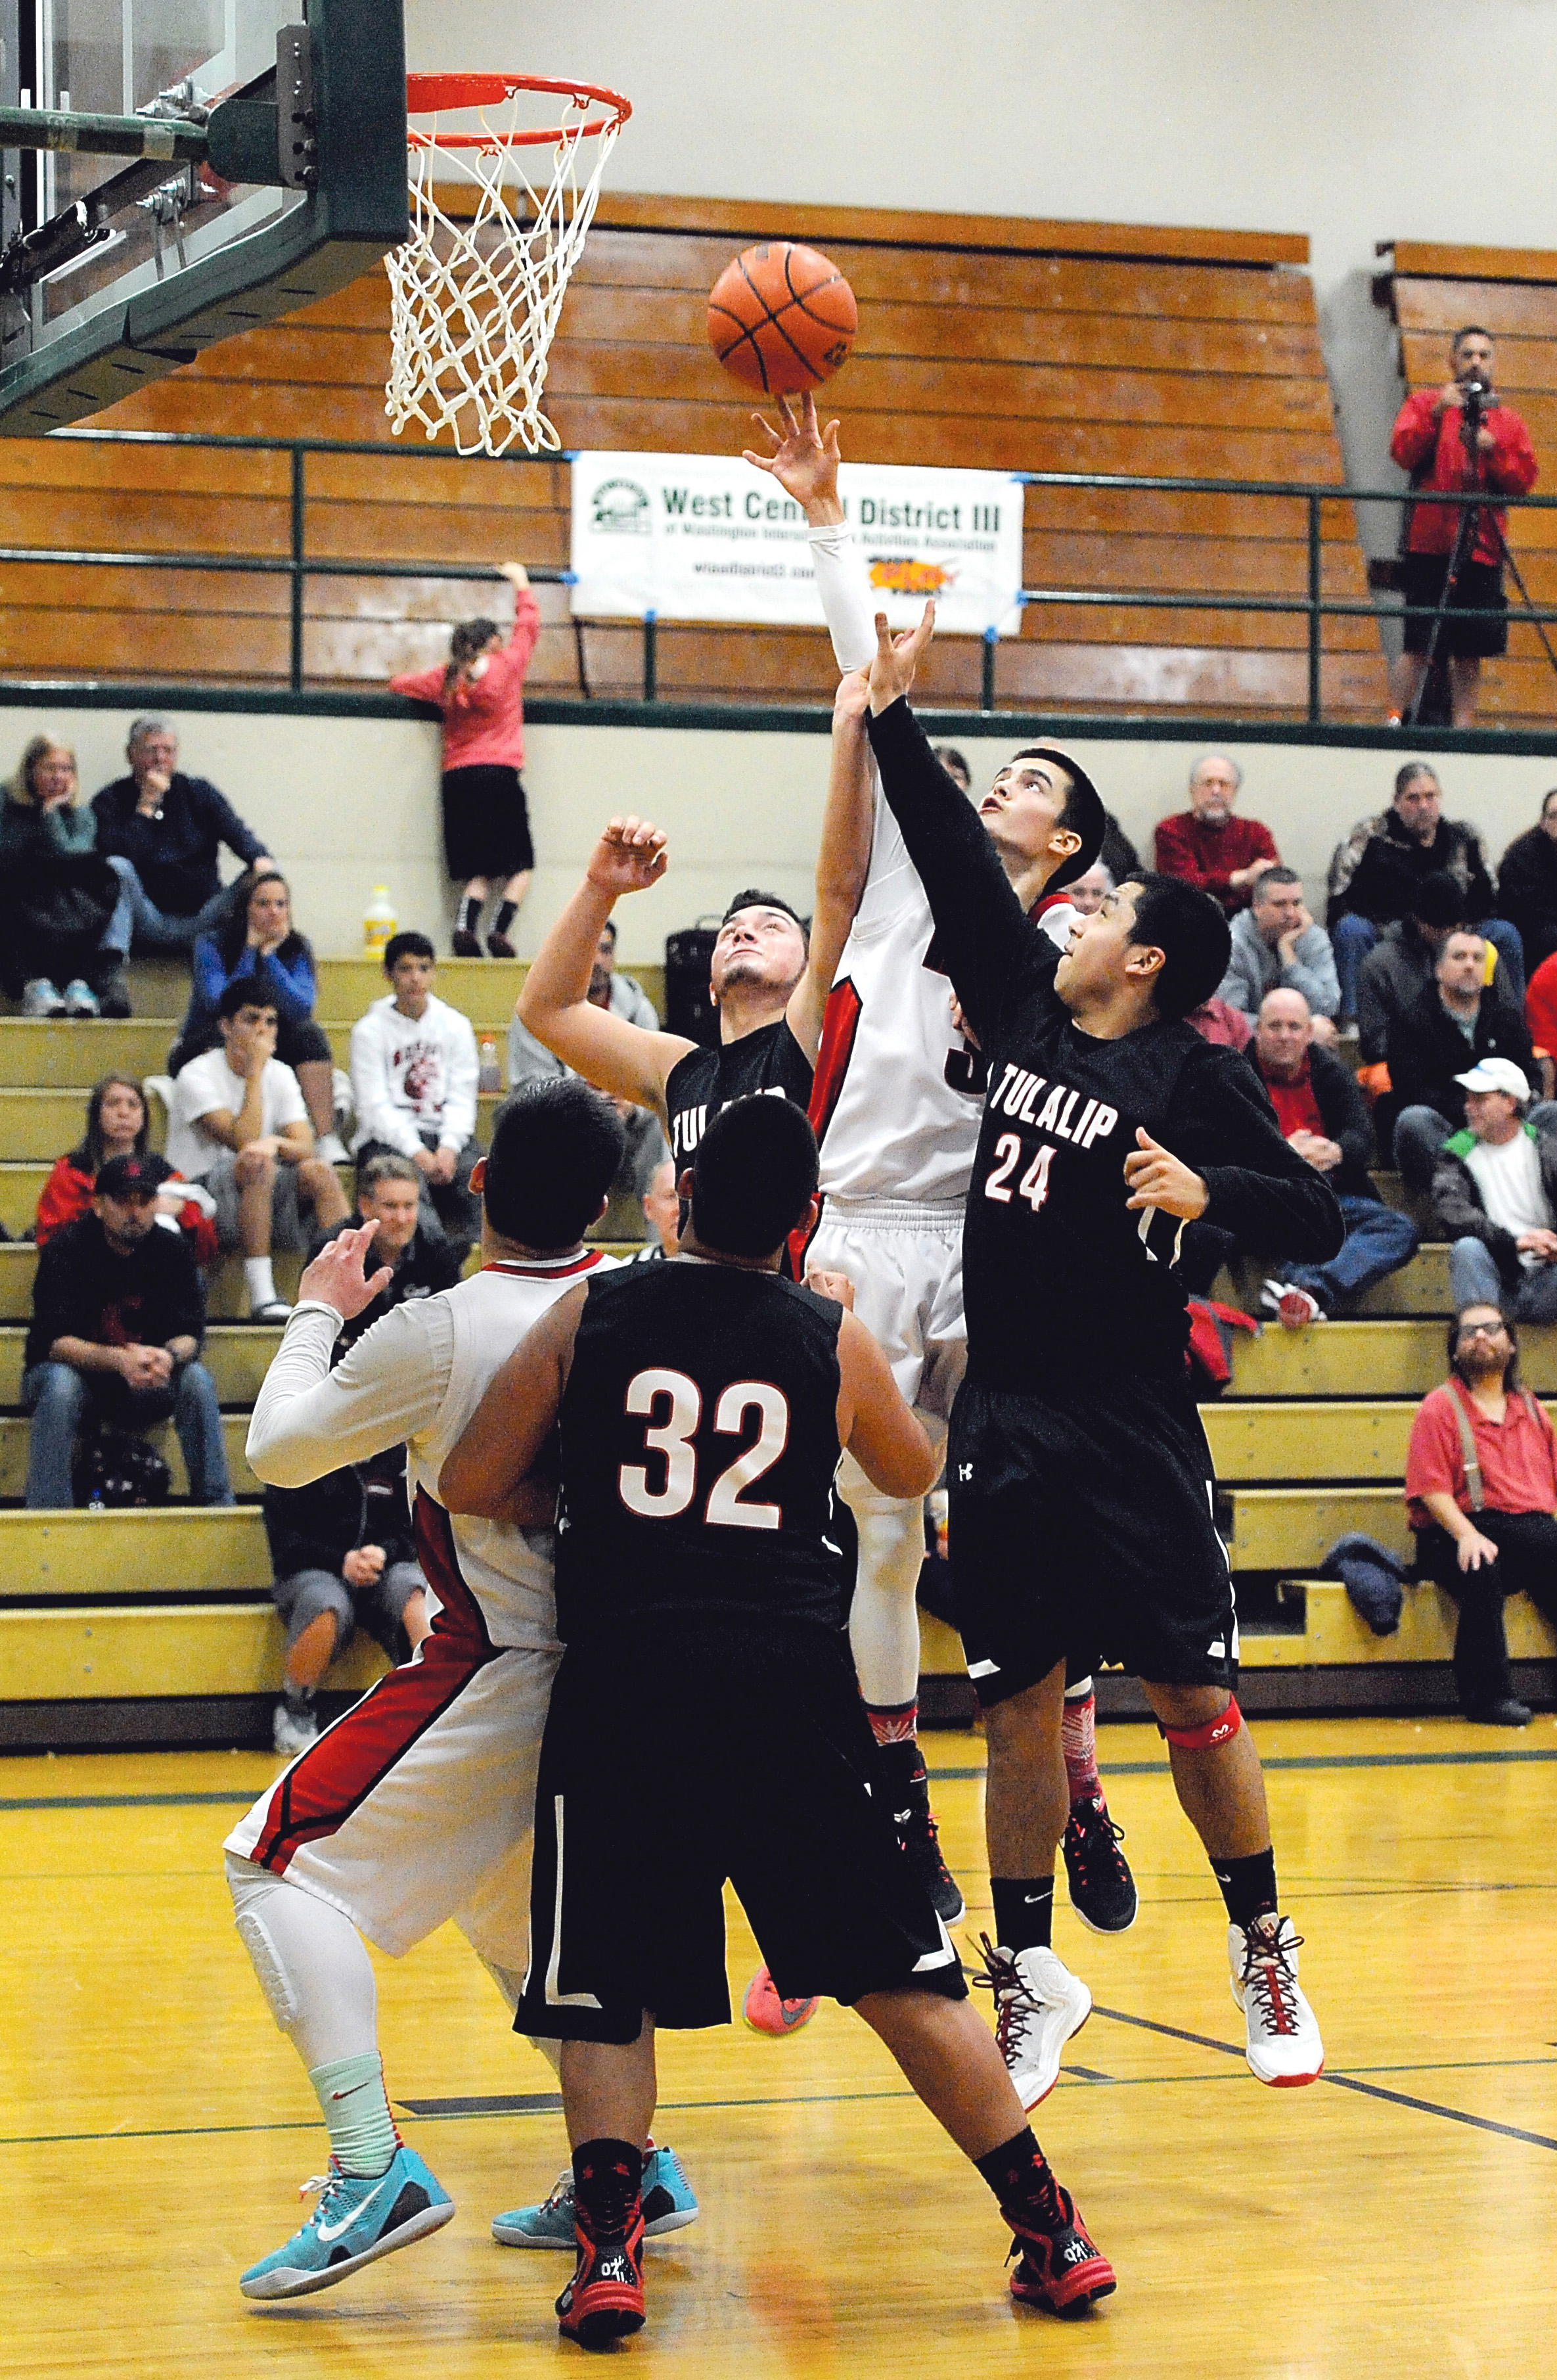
[1482, 1495]
[1494, 1197]
[1089, 893]
[1527, 886]
[1375, 872]
[1322, 1117]
[116, 1125]
[64, 913]
[1400, 964]
[343, 1553]
[645, 1146]
[1277, 945]
[662, 1213]
[956, 767]
[118, 1317]
[1207, 845]
[1540, 1016]
[1429, 1044]
[415, 1067]
[255, 943]
[166, 830]
[239, 1126]
[423, 1262]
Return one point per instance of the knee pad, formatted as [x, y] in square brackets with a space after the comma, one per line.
[1213, 1732]
[891, 1538]
[251, 1886]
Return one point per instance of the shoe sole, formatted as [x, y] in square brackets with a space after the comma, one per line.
[279, 2283]
[1028, 2104]
[1092, 1926]
[602, 2329]
[783, 2032]
[661, 2227]
[1074, 2307]
[1274, 2082]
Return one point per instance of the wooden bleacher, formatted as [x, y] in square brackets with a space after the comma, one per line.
[1431, 289]
[1007, 344]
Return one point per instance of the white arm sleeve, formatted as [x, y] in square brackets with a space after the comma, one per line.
[309, 1420]
[846, 596]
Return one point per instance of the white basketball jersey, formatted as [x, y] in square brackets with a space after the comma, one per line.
[508, 1569]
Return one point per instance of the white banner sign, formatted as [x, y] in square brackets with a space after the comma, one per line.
[704, 536]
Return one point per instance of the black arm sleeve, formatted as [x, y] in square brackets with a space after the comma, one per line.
[1262, 1192]
[981, 932]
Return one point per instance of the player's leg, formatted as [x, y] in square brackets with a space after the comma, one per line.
[1220, 1789]
[884, 1639]
[1102, 1890]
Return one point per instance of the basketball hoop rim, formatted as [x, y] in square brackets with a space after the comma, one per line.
[433, 94]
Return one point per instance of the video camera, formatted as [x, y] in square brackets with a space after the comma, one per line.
[1476, 395]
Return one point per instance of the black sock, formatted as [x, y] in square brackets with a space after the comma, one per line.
[470, 914]
[1024, 1911]
[299, 1698]
[1249, 1885]
[608, 2178]
[507, 912]
[1019, 2173]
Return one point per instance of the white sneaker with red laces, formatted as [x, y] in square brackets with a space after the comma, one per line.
[1283, 2044]
[1294, 1308]
[1038, 2004]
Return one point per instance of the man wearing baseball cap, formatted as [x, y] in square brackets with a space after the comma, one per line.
[1494, 1196]
[118, 1315]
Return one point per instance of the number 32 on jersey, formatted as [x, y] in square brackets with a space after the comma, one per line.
[674, 1406]
[1034, 1183]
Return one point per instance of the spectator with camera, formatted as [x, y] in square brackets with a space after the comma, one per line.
[239, 1125]
[1277, 947]
[1460, 1019]
[118, 1318]
[415, 1069]
[64, 914]
[164, 831]
[408, 1241]
[343, 1558]
[1377, 872]
[1459, 437]
[1207, 845]
[1527, 885]
[255, 943]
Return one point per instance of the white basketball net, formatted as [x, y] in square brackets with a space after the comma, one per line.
[474, 304]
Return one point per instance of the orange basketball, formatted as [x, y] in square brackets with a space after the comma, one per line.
[781, 317]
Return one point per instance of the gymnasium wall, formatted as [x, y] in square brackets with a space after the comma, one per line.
[344, 802]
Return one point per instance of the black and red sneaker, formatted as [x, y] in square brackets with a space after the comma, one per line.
[1057, 2265]
[1102, 1890]
[908, 1788]
[604, 2301]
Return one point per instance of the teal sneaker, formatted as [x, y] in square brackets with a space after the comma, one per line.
[358, 2217]
[667, 2202]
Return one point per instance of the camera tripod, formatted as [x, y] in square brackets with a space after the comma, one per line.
[1475, 394]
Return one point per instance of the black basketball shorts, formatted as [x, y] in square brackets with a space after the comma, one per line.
[663, 1772]
[1087, 1526]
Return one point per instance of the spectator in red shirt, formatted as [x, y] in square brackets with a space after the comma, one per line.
[486, 824]
[1540, 1016]
[1488, 1531]
[1427, 443]
[116, 1126]
[1207, 845]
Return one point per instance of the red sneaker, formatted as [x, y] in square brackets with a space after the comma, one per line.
[604, 2302]
[1057, 2265]
[764, 2011]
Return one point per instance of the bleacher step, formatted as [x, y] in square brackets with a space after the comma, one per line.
[1368, 1359]
[235, 1354]
[190, 1649]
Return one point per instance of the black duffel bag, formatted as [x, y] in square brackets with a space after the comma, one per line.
[114, 1469]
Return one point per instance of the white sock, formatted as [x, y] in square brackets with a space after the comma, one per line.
[351, 2098]
[259, 1279]
[1079, 1691]
[884, 1617]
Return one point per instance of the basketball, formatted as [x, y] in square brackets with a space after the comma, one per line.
[781, 317]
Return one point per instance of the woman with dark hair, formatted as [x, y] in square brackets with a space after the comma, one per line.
[486, 824]
[115, 1127]
[258, 941]
[1527, 885]
[64, 915]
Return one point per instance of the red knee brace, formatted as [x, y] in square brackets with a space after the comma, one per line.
[1215, 1731]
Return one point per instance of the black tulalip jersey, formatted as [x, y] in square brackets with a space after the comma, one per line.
[705, 1081]
[699, 1443]
[1062, 1281]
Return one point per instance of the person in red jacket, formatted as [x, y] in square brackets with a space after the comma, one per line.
[1427, 443]
[1207, 845]
[116, 1126]
[486, 825]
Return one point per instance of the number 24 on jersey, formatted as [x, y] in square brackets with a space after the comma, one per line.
[1034, 1183]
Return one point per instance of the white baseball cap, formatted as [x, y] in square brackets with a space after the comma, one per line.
[1496, 1075]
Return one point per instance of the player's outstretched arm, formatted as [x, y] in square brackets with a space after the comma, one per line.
[882, 1434]
[503, 1440]
[843, 860]
[1257, 1188]
[981, 928]
[628, 1061]
[309, 1420]
[804, 460]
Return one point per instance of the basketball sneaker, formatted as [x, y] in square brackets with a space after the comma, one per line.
[668, 2201]
[1039, 2004]
[359, 2218]
[1101, 1887]
[1294, 1308]
[909, 1789]
[1282, 2047]
[1058, 2267]
[604, 2301]
[764, 2011]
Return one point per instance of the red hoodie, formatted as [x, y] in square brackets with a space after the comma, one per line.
[1509, 469]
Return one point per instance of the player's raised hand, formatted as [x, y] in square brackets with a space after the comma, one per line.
[852, 698]
[1157, 1178]
[630, 857]
[804, 459]
[898, 658]
[338, 1275]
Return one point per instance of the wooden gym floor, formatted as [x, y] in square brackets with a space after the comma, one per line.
[1400, 2218]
